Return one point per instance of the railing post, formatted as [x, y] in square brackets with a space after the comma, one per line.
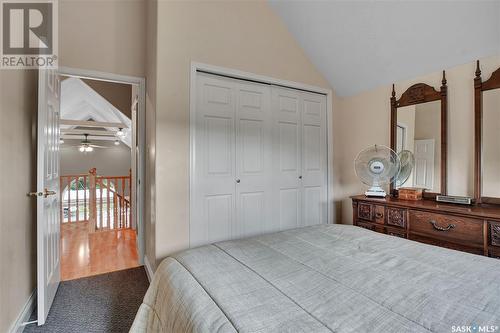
[130, 198]
[92, 200]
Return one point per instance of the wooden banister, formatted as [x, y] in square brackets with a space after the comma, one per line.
[106, 203]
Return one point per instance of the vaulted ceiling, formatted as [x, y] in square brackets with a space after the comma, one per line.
[359, 45]
[80, 102]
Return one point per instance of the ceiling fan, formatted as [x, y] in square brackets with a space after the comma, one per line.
[86, 146]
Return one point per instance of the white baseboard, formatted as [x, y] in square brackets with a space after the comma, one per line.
[149, 270]
[24, 315]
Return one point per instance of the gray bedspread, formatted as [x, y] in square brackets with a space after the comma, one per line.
[327, 278]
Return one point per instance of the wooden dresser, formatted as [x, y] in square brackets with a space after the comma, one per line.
[471, 229]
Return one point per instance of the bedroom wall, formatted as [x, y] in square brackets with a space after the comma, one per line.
[219, 33]
[17, 211]
[103, 36]
[364, 119]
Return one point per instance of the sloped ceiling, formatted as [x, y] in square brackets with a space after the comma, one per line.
[359, 45]
[81, 102]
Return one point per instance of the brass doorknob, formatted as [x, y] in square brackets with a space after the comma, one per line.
[44, 194]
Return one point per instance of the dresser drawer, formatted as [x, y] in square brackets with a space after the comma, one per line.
[395, 232]
[494, 231]
[370, 226]
[448, 245]
[379, 214]
[494, 253]
[366, 211]
[396, 217]
[466, 231]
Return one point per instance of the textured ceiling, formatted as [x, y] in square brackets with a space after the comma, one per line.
[359, 45]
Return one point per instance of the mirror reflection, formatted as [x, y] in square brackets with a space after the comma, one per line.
[491, 143]
[419, 131]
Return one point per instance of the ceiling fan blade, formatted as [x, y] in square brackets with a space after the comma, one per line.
[96, 146]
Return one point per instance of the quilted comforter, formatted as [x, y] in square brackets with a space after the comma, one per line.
[326, 278]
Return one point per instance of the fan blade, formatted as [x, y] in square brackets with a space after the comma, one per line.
[96, 146]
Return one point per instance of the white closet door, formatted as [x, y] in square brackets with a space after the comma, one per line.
[253, 159]
[287, 106]
[214, 151]
[314, 159]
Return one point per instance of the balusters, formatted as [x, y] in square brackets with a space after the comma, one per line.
[85, 198]
[77, 187]
[106, 201]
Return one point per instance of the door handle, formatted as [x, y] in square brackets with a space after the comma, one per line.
[44, 194]
[300, 177]
[238, 181]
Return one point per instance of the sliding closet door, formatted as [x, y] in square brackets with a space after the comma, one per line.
[287, 197]
[314, 159]
[253, 159]
[214, 168]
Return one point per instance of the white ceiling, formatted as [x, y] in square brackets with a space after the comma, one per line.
[359, 45]
[80, 102]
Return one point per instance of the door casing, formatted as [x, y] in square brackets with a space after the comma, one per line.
[141, 128]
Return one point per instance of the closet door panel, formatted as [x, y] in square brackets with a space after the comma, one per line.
[214, 155]
[287, 195]
[253, 159]
[314, 159]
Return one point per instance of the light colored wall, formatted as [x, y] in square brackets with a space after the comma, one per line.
[112, 161]
[118, 94]
[428, 126]
[246, 36]
[18, 106]
[491, 143]
[103, 36]
[150, 193]
[364, 119]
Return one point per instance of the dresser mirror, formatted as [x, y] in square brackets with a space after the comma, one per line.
[418, 124]
[487, 138]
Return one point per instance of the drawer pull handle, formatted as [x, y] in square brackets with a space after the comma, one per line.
[439, 228]
[379, 215]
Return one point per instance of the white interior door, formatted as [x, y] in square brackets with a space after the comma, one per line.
[287, 133]
[423, 175]
[314, 159]
[253, 159]
[214, 149]
[48, 218]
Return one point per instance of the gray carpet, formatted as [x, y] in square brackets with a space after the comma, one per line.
[102, 303]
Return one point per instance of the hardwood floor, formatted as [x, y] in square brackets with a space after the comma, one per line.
[84, 254]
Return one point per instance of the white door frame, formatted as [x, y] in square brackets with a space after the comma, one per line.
[233, 73]
[141, 128]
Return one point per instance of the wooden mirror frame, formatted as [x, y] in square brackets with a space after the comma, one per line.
[479, 87]
[417, 94]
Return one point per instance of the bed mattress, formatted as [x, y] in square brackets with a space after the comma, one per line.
[325, 278]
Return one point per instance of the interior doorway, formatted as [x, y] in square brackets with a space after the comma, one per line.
[101, 167]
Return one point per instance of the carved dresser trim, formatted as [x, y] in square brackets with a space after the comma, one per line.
[473, 229]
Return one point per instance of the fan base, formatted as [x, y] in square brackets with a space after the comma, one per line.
[376, 192]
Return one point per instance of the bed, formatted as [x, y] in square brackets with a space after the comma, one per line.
[325, 278]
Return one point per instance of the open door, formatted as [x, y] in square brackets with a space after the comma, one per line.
[48, 197]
